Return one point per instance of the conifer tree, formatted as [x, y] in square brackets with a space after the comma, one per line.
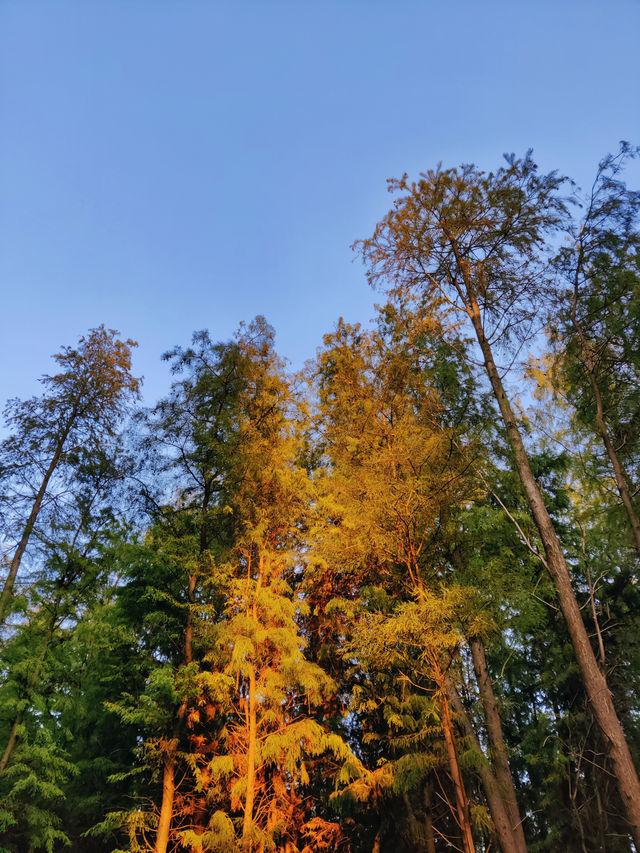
[53, 434]
[230, 723]
[187, 442]
[476, 242]
[272, 741]
[395, 472]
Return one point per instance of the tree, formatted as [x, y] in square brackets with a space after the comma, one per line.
[395, 472]
[75, 418]
[476, 242]
[273, 743]
[227, 702]
[187, 442]
[64, 462]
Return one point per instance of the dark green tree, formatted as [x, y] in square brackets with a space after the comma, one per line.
[52, 435]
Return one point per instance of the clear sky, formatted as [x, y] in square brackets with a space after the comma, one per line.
[172, 165]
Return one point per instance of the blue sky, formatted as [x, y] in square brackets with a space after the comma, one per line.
[172, 165]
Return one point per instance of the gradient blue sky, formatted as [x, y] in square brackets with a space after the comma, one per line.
[173, 165]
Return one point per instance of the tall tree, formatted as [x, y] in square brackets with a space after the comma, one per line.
[476, 241]
[75, 417]
[395, 471]
[233, 734]
[188, 437]
[273, 742]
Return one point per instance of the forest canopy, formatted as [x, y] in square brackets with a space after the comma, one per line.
[387, 603]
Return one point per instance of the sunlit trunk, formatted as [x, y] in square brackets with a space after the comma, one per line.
[252, 726]
[169, 771]
[251, 764]
[166, 810]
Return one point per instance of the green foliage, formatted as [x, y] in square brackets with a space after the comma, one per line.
[32, 788]
[289, 619]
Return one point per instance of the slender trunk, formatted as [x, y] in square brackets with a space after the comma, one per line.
[602, 823]
[496, 742]
[252, 726]
[206, 497]
[168, 784]
[28, 528]
[192, 579]
[430, 838]
[251, 763]
[497, 805]
[166, 811]
[462, 803]
[594, 680]
[573, 792]
[168, 780]
[594, 609]
[414, 827]
[13, 735]
[498, 788]
[32, 683]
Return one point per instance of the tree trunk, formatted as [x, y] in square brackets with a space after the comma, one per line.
[462, 803]
[414, 826]
[251, 764]
[594, 680]
[618, 472]
[28, 528]
[496, 742]
[495, 799]
[499, 789]
[430, 839]
[168, 780]
[13, 735]
[377, 840]
[252, 725]
[166, 810]
[188, 633]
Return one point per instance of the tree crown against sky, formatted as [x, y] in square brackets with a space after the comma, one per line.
[68, 433]
[363, 613]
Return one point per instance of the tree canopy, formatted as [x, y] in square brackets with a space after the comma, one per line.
[388, 603]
